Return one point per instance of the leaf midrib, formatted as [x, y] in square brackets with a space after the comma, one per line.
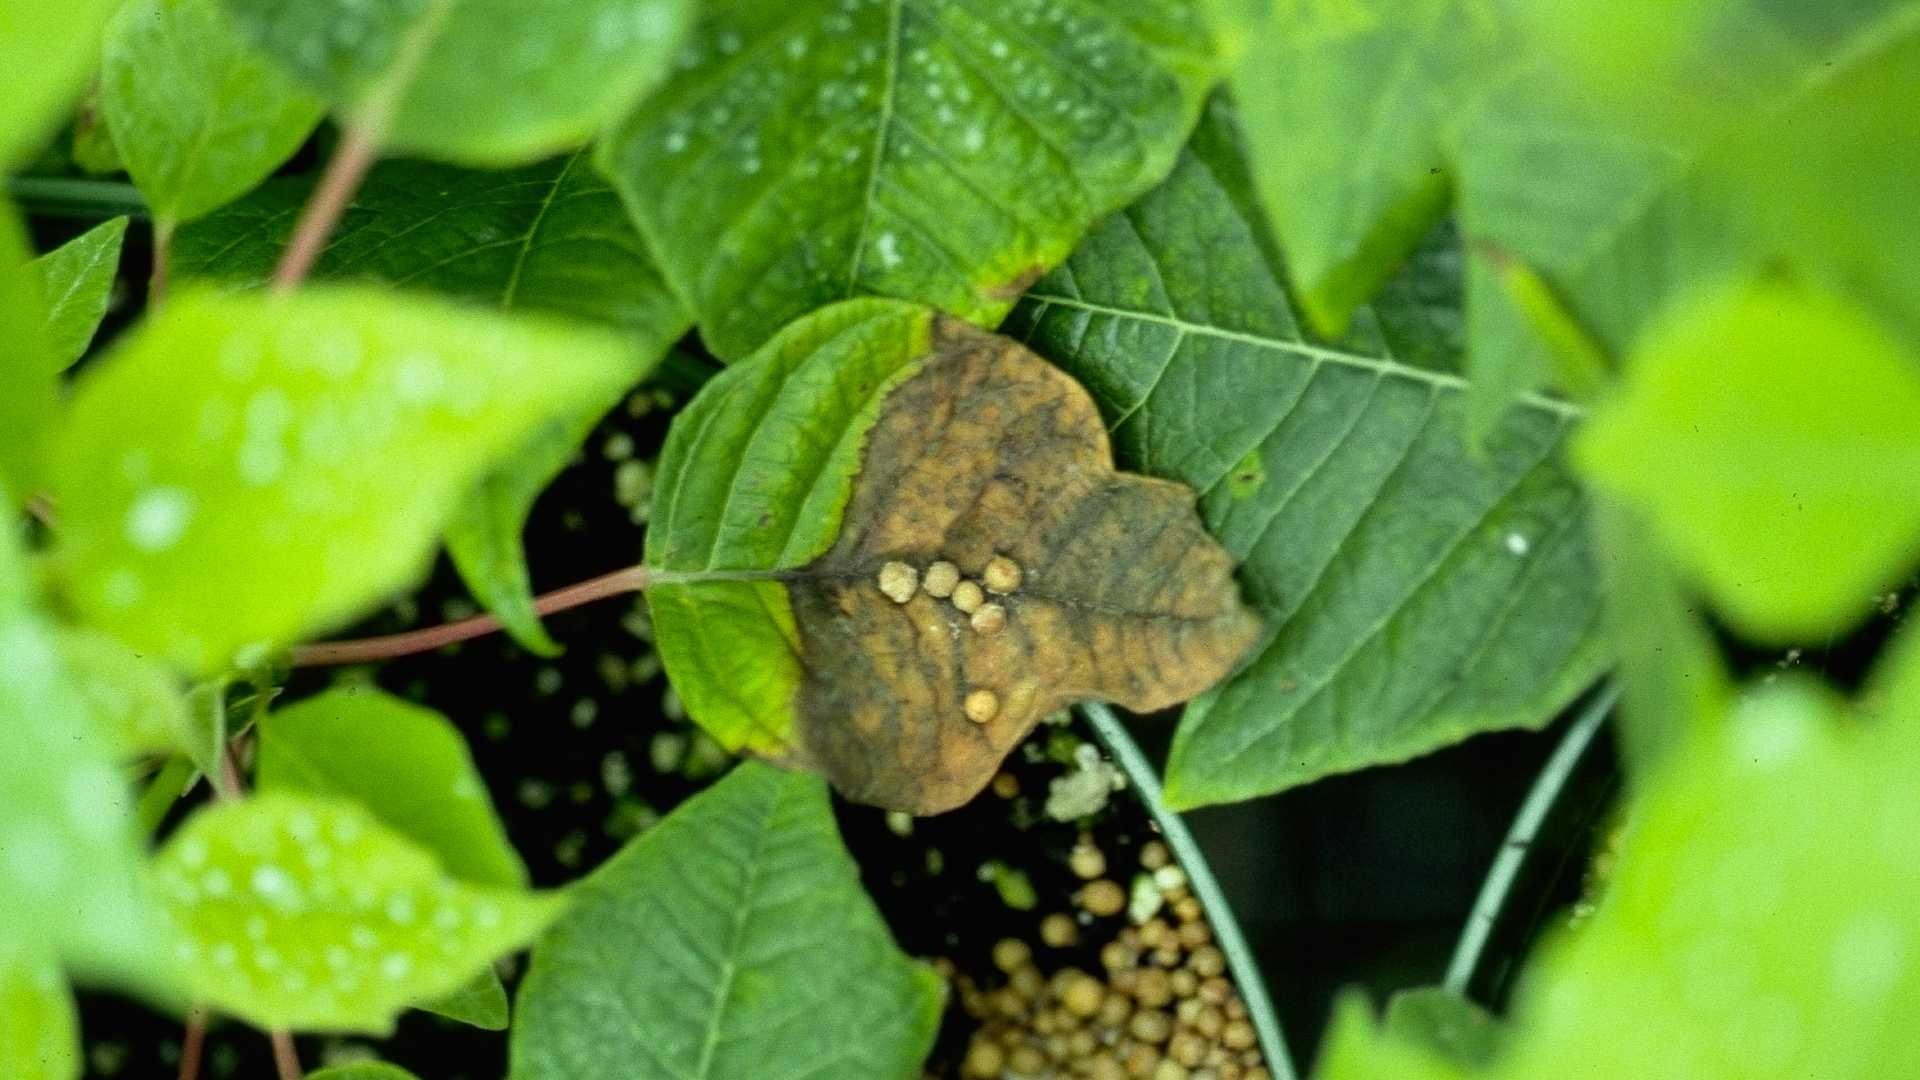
[512, 288]
[1376, 365]
[742, 910]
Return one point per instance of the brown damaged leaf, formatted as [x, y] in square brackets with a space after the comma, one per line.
[989, 451]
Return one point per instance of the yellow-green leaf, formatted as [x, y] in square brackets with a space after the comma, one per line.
[1769, 433]
[294, 456]
[306, 913]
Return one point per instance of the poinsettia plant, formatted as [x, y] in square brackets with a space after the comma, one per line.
[1353, 378]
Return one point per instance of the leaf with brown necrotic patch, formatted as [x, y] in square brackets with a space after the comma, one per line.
[863, 448]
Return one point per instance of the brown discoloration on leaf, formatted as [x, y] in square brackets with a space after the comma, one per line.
[990, 451]
[1018, 286]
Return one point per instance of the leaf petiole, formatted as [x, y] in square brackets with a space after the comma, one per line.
[345, 170]
[629, 579]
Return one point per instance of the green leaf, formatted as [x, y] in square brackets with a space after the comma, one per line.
[785, 428]
[294, 456]
[404, 764]
[51, 48]
[306, 913]
[92, 146]
[39, 1031]
[1759, 924]
[1670, 666]
[1356, 1050]
[940, 152]
[1445, 1023]
[1768, 432]
[365, 1070]
[1894, 687]
[135, 702]
[75, 279]
[483, 539]
[70, 880]
[1600, 173]
[1346, 107]
[198, 116]
[1421, 589]
[745, 939]
[551, 237]
[482, 1003]
[207, 734]
[1829, 198]
[480, 82]
[29, 380]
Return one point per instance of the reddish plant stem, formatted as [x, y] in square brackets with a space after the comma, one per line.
[286, 1060]
[363, 650]
[351, 159]
[228, 787]
[193, 1043]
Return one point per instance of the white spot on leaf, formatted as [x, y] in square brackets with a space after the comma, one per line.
[158, 518]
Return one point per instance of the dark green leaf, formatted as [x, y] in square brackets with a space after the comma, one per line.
[1421, 589]
[404, 764]
[482, 1003]
[75, 279]
[1445, 1023]
[940, 152]
[483, 539]
[551, 237]
[1346, 107]
[733, 935]
[294, 455]
[474, 81]
[300, 912]
[197, 115]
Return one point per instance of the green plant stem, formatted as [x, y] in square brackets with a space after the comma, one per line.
[1186, 850]
[162, 792]
[286, 1060]
[345, 170]
[162, 252]
[60, 196]
[1469, 955]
